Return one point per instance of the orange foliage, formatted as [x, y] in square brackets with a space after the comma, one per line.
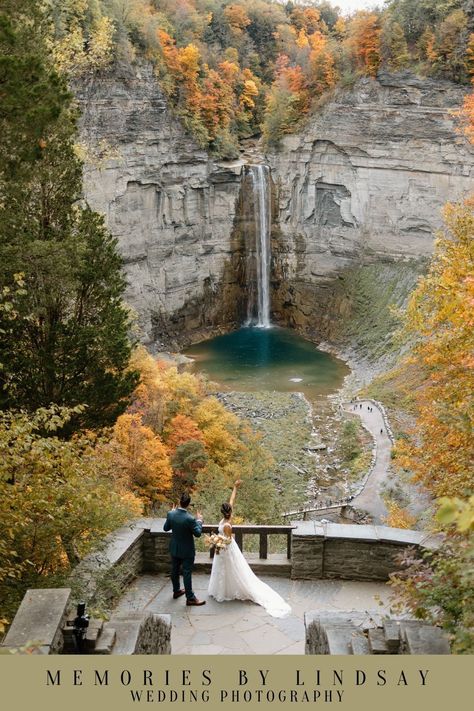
[181, 429]
[323, 74]
[441, 315]
[141, 459]
[363, 41]
[237, 18]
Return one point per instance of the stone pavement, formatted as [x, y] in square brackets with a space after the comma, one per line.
[370, 499]
[238, 627]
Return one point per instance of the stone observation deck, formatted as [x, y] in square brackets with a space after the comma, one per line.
[326, 570]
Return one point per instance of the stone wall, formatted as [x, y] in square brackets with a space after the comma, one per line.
[100, 576]
[370, 633]
[39, 621]
[351, 552]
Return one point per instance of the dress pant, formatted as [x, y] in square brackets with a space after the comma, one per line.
[187, 566]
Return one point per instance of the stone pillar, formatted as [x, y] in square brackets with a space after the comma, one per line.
[156, 556]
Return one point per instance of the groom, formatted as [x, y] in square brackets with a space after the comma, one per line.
[183, 527]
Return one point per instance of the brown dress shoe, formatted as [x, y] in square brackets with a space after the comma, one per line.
[178, 594]
[195, 602]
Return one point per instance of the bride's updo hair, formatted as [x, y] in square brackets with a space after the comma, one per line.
[226, 510]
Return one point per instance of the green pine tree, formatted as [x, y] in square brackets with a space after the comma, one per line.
[69, 342]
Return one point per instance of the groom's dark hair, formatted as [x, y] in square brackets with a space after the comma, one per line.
[184, 500]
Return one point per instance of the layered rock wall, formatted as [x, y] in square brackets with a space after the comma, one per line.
[171, 208]
[364, 182]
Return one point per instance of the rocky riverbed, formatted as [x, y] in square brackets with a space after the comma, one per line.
[304, 439]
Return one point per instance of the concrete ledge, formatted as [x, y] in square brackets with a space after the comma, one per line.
[39, 619]
[121, 555]
[351, 552]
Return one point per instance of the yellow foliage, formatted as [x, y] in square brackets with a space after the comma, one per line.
[75, 54]
[220, 430]
[398, 517]
[140, 457]
[440, 315]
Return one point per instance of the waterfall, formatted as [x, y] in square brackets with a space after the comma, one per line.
[258, 313]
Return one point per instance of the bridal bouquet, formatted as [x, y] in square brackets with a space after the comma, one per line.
[216, 542]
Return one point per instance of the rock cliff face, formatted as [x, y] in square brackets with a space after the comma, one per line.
[171, 208]
[364, 182]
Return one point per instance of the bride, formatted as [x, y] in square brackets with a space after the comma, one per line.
[232, 577]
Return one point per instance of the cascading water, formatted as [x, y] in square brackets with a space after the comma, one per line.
[258, 312]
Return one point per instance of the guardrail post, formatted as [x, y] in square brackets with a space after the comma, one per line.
[263, 545]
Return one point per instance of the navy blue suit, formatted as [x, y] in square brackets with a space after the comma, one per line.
[184, 528]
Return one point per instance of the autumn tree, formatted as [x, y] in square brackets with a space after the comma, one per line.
[237, 18]
[83, 39]
[363, 41]
[394, 46]
[438, 587]
[57, 501]
[322, 72]
[140, 458]
[187, 460]
[287, 102]
[451, 46]
[426, 46]
[440, 317]
[181, 429]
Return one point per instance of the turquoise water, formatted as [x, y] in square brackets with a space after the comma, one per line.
[268, 359]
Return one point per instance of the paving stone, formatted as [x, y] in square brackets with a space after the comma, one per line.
[249, 623]
[266, 640]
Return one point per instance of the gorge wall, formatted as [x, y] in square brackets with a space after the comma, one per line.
[359, 188]
[170, 206]
[364, 184]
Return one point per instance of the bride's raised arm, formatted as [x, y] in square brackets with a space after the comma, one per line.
[234, 492]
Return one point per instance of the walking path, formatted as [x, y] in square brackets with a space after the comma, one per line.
[238, 627]
[370, 498]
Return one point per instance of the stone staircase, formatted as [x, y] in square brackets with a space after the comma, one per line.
[369, 633]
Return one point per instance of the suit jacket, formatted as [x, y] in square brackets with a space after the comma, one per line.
[184, 527]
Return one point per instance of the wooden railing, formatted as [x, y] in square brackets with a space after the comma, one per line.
[262, 531]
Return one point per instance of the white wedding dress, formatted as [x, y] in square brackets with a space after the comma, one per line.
[233, 579]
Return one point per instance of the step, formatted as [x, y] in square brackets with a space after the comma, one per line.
[377, 643]
[106, 641]
[338, 639]
[422, 638]
[391, 630]
[359, 643]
